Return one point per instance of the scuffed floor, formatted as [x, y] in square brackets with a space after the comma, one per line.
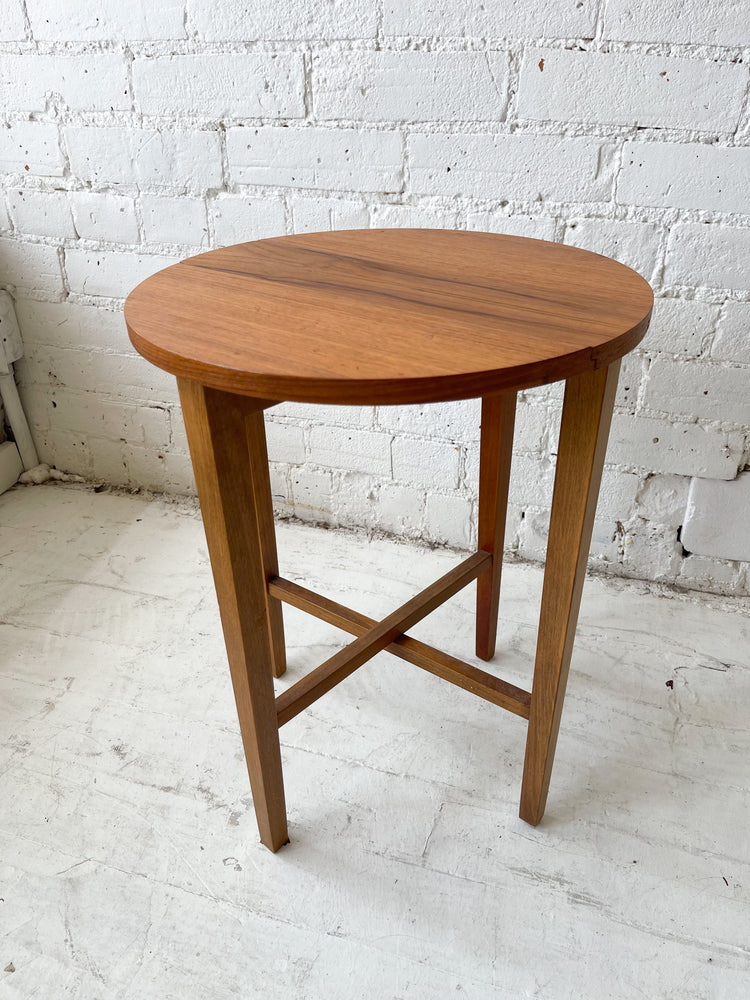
[130, 866]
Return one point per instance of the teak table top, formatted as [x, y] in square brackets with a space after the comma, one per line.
[388, 315]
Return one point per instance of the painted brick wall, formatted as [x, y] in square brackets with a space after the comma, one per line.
[136, 134]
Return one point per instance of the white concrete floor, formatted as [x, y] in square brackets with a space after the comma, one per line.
[130, 865]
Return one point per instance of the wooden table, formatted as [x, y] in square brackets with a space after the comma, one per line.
[389, 316]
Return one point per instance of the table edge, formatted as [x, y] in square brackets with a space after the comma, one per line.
[374, 392]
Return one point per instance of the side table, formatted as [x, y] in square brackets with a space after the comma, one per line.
[387, 317]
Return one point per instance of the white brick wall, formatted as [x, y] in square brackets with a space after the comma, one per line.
[685, 175]
[713, 256]
[301, 20]
[629, 88]
[707, 391]
[145, 158]
[31, 147]
[41, 213]
[536, 227]
[79, 20]
[682, 21]
[97, 83]
[683, 448]
[110, 274]
[32, 268]
[246, 85]
[636, 244]
[413, 86]
[512, 19]
[731, 341]
[108, 217]
[174, 220]
[134, 135]
[682, 327]
[13, 26]
[321, 158]
[237, 219]
[433, 464]
[355, 450]
[506, 166]
[316, 215]
[70, 325]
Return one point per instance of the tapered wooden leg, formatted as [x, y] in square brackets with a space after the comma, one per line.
[256, 440]
[586, 416]
[498, 419]
[222, 431]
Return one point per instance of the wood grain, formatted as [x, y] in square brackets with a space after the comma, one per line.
[495, 452]
[216, 426]
[434, 661]
[586, 416]
[387, 316]
[302, 694]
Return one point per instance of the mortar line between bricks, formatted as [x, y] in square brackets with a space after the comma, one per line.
[27, 21]
[176, 48]
[307, 74]
[515, 60]
[189, 123]
[601, 13]
[571, 211]
[379, 18]
[743, 121]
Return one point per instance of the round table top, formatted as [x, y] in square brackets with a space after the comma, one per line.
[387, 315]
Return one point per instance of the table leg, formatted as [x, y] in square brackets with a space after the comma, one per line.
[586, 416]
[256, 440]
[223, 433]
[498, 419]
